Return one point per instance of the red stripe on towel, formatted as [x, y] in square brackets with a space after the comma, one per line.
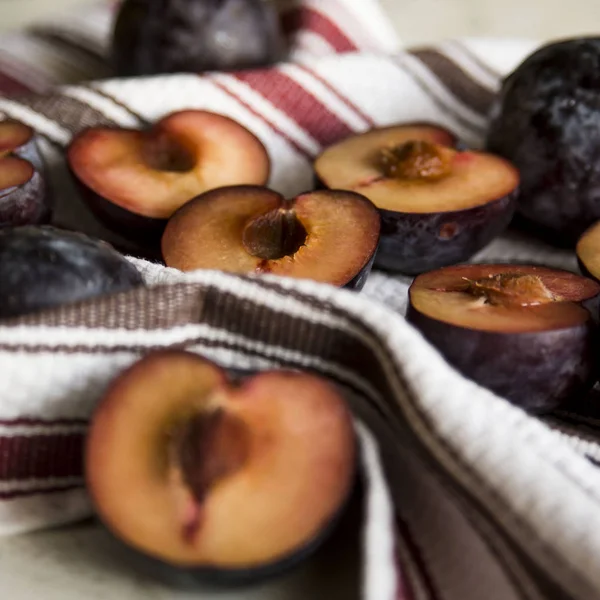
[303, 19]
[298, 104]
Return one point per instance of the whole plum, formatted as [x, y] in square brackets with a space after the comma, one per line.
[43, 267]
[166, 36]
[546, 121]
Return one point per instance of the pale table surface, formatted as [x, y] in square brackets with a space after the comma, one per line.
[77, 562]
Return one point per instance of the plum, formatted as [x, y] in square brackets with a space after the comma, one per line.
[546, 121]
[588, 252]
[166, 36]
[528, 333]
[134, 180]
[328, 236]
[438, 205]
[24, 193]
[42, 267]
[219, 480]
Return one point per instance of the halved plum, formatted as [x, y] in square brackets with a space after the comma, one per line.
[439, 205]
[588, 252]
[528, 333]
[135, 180]
[24, 196]
[215, 479]
[327, 236]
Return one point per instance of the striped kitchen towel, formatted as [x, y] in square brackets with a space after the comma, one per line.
[467, 497]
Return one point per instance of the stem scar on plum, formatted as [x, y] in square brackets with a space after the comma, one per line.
[274, 235]
[203, 450]
[414, 160]
[508, 290]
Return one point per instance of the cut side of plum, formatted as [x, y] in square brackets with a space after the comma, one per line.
[439, 205]
[24, 197]
[200, 473]
[358, 160]
[14, 135]
[150, 174]
[327, 236]
[14, 172]
[588, 252]
[527, 333]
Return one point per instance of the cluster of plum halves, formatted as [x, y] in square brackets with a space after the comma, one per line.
[236, 480]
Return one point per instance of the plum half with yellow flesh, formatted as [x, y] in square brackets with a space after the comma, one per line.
[214, 479]
[134, 180]
[527, 333]
[24, 195]
[327, 236]
[439, 206]
[588, 252]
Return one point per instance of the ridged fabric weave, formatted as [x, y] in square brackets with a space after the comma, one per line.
[467, 497]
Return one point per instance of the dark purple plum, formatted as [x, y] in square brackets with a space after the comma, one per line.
[546, 120]
[168, 36]
[438, 205]
[24, 194]
[327, 236]
[43, 267]
[528, 333]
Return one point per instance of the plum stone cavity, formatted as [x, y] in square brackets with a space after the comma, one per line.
[43, 267]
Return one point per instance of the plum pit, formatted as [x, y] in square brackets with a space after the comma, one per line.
[274, 235]
[510, 289]
[415, 160]
[162, 152]
[205, 449]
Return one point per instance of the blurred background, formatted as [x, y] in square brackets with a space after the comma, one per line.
[421, 20]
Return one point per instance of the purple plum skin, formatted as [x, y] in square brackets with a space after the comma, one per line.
[537, 371]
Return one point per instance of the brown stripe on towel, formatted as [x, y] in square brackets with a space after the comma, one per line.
[41, 456]
[42, 423]
[139, 309]
[402, 61]
[489, 69]
[458, 81]
[70, 113]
